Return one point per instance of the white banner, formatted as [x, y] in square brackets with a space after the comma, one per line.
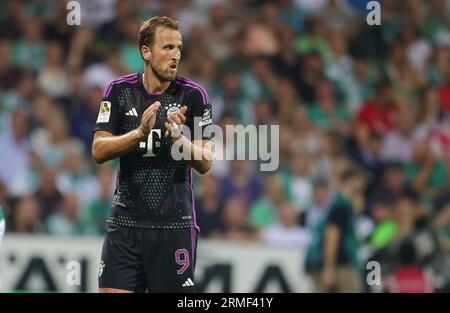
[41, 263]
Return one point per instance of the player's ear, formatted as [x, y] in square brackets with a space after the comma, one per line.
[146, 53]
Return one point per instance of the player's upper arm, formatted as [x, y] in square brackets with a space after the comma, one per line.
[109, 113]
[97, 146]
[107, 123]
[102, 133]
[200, 114]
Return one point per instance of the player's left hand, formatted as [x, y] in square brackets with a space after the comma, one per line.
[174, 123]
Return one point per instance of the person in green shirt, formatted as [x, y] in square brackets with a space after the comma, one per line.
[441, 224]
[332, 257]
[426, 173]
[263, 213]
[326, 113]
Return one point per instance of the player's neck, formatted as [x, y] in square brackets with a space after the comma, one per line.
[153, 84]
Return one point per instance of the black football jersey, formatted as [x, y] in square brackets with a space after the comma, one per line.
[152, 188]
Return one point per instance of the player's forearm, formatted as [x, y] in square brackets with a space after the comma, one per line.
[106, 148]
[200, 155]
[201, 166]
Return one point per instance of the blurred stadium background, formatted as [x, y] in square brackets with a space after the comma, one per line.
[361, 108]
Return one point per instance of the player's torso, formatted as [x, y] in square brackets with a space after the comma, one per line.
[152, 189]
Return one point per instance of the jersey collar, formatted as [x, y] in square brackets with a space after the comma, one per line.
[154, 95]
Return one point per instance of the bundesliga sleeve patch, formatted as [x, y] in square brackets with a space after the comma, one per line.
[105, 112]
[206, 118]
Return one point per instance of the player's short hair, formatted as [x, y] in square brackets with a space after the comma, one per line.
[148, 28]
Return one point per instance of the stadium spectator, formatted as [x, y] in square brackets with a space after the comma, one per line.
[47, 195]
[96, 211]
[286, 232]
[209, 209]
[298, 181]
[241, 181]
[409, 278]
[399, 142]
[15, 147]
[332, 256]
[235, 222]
[26, 217]
[379, 114]
[53, 77]
[426, 173]
[441, 224]
[9, 74]
[65, 222]
[263, 213]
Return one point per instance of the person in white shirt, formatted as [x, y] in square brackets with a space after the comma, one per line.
[287, 232]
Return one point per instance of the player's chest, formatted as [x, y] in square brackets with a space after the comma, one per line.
[133, 110]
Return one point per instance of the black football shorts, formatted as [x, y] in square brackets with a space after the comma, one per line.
[148, 260]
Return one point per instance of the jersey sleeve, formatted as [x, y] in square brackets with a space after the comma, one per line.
[199, 114]
[108, 115]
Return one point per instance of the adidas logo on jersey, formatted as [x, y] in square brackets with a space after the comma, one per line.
[188, 283]
[132, 112]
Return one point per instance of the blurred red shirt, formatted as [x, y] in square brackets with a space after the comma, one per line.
[376, 119]
[444, 97]
[409, 279]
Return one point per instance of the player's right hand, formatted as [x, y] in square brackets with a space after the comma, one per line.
[149, 118]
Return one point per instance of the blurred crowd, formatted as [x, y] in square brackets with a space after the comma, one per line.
[363, 111]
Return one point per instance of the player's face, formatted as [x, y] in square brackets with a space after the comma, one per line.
[166, 53]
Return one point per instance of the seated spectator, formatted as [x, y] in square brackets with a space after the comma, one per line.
[365, 148]
[208, 207]
[84, 117]
[75, 174]
[426, 173]
[95, 213]
[305, 134]
[407, 217]
[65, 222]
[409, 277]
[298, 182]
[15, 169]
[326, 113]
[51, 141]
[321, 202]
[379, 114]
[263, 213]
[441, 224]
[25, 216]
[235, 222]
[47, 195]
[9, 75]
[286, 232]
[241, 181]
[53, 77]
[399, 142]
